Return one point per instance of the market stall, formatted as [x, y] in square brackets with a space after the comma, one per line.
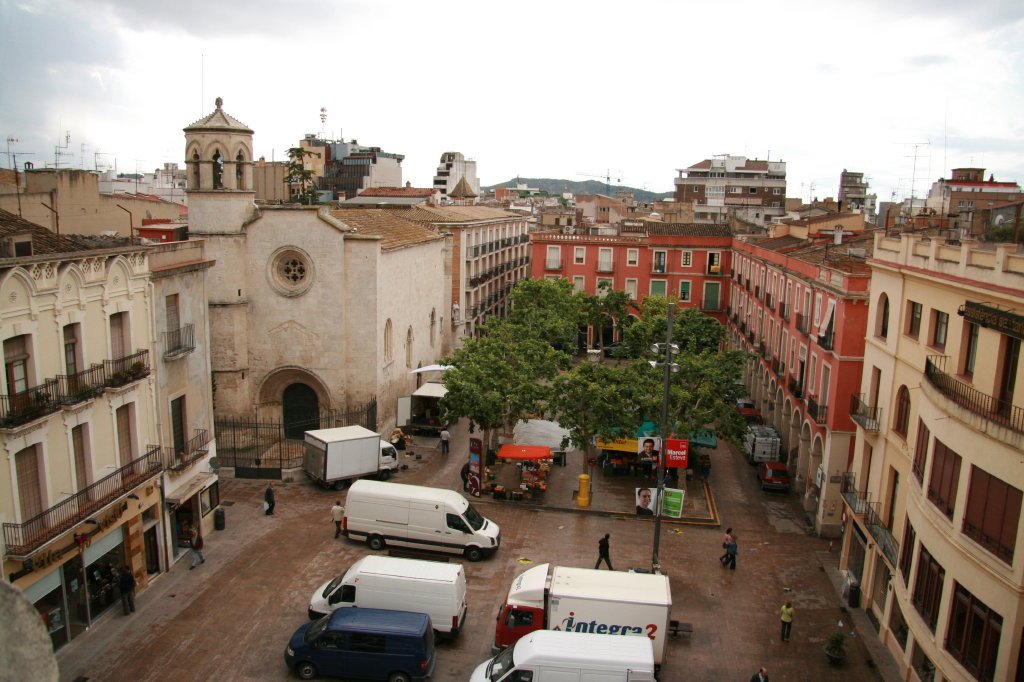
[520, 472]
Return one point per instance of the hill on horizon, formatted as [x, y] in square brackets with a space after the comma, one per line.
[556, 187]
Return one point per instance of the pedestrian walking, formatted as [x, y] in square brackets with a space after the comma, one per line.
[464, 473]
[604, 552]
[126, 582]
[268, 499]
[760, 676]
[725, 545]
[446, 437]
[731, 550]
[337, 514]
[786, 618]
[195, 543]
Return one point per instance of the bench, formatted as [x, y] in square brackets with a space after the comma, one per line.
[680, 629]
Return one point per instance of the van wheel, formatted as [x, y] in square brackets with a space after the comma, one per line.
[340, 485]
[474, 554]
[398, 677]
[375, 542]
[305, 670]
[384, 474]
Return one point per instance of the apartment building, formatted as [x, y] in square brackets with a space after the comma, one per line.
[963, 196]
[854, 195]
[932, 499]
[453, 168]
[798, 304]
[726, 187]
[106, 366]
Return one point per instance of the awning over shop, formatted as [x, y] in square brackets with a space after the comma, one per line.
[704, 439]
[185, 492]
[510, 451]
[619, 445]
[431, 390]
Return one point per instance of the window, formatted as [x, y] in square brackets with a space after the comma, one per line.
[631, 286]
[711, 296]
[907, 551]
[817, 310]
[389, 344]
[658, 287]
[578, 283]
[366, 643]
[71, 349]
[940, 328]
[30, 495]
[902, 419]
[209, 499]
[408, 347]
[119, 343]
[178, 426]
[602, 291]
[914, 320]
[554, 258]
[78, 445]
[992, 515]
[687, 259]
[579, 255]
[945, 478]
[16, 364]
[921, 450]
[714, 262]
[735, 190]
[883, 317]
[973, 634]
[125, 433]
[928, 587]
[970, 348]
[632, 257]
[433, 326]
[604, 260]
[776, 191]
[752, 190]
[660, 261]
[171, 311]
[455, 522]
[684, 291]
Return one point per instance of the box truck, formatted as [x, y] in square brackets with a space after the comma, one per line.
[584, 600]
[433, 519]
[334, 457]
[547, 655]
[420, 412]
[761, 444]
[383, 582]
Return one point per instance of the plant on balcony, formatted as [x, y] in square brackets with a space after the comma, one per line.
[27, 409]
[86, 392]
[138, 370]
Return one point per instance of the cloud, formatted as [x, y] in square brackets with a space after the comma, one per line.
[926, 60]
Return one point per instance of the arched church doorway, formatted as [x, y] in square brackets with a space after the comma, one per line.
[300, 410]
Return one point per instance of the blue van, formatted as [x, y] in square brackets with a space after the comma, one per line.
[364, 644]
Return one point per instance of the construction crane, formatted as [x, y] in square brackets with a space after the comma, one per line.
[607, 177]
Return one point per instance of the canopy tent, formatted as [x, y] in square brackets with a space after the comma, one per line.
[510, 451]
[430, 368]
[431, 390]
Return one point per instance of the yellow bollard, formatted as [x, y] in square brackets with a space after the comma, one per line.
[583, 497]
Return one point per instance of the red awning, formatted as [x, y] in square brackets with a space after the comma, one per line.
[509, 451]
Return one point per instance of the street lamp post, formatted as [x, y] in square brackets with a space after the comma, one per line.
[669, 349]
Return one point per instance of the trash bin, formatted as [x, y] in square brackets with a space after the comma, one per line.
[854, 601]
[218, 518]
[559, 457]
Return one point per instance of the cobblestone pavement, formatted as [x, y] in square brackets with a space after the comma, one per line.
[231, 618]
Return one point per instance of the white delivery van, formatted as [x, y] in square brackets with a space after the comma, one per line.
[434, 519]
[334, 457]
[762, 444]
[383, 582]
[553, 656]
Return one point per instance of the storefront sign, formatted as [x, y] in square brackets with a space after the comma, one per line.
[677, 453]
[991, 317]
[476, 448]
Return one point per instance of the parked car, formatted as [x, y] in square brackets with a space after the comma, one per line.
[773, 476]
[749, 412]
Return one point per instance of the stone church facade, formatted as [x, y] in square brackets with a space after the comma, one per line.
[309, 310]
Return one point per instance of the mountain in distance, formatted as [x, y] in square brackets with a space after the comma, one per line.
[556, 187]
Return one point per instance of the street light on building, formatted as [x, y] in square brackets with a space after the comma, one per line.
[666, 351]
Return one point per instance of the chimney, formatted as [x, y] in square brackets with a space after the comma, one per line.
[837, 236]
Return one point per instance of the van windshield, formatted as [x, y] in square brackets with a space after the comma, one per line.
[500, 665]
[318, 626]
[473, 518]
[331, 586]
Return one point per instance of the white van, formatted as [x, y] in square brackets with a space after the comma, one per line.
[393, 514]
[382, 582]
[552, 655]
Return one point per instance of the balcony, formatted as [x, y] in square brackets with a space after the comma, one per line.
[1001, 412]
[605, 266]
[866, 416]
[757, 291]
[775, 364]
[195, 448]
[796, 388]
[179, 342]
[784, 311]
[553, 264]
[659, 269]
[81, 386]
[769, 301]
[762, 349]
[828, 341]
[127, 369]
[29, 405]
[803, 323]
[819, 413]
[868, 512]
[24, 538]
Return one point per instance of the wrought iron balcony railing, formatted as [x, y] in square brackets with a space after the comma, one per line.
[769, 301]
[195, 448]
[1002, 412]
[803, 323]
[81, 386]
[827, 342]
[24, 538]
[796, 388]
[866, 416]
[819, 413]
[784, 311]
[29, 405]
[178, 342]
[127, 369]
[868, 511]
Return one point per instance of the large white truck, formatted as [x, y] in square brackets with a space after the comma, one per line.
[548, 655]
[334, 457]
[762, 444]
[548, 597]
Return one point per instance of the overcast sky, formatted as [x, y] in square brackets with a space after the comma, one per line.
[558, 89]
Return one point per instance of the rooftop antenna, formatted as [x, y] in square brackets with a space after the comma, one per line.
[59, 149]
[323, 121]
[11, 139]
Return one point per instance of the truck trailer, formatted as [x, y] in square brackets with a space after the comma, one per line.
[585, 600]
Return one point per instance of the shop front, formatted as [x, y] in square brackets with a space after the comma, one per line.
[72, 580]
[190, 503]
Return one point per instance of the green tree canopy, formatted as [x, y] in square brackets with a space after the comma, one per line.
[545, 309]
[299, 175]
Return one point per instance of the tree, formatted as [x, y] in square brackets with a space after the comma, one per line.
[590, 400]
[300, 176]
[608, 306]
[546, 309]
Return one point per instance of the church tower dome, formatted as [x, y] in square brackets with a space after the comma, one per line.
[218, 152]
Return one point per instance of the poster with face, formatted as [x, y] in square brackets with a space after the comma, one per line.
[646, 501]
[648, 448]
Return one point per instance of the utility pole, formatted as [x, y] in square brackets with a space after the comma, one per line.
[668, 350]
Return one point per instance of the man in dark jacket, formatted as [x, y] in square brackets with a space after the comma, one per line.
[126, 582]
[603, 552]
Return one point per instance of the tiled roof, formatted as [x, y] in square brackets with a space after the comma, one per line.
[397, 192]
[750, 165]
[778, 243]
[462, 190]
[687, 229]
[395, 230]
[837, 256]
[814, 220]
[43, 240]
[458, 214]
[219, 120]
